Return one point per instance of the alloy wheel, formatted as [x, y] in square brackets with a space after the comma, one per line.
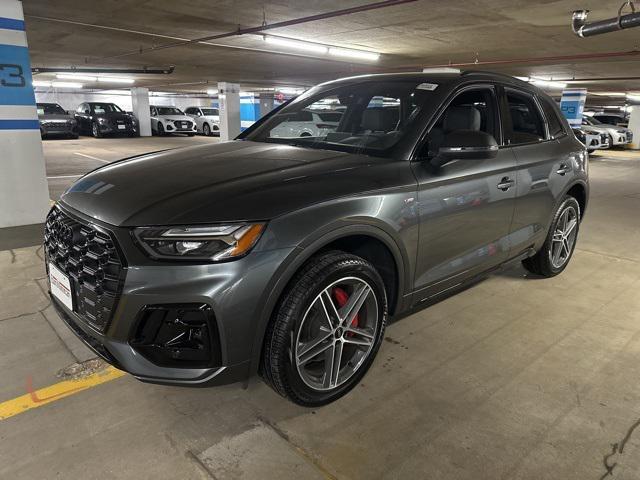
[564, 237]
[337, 333]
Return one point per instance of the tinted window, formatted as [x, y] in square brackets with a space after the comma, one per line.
[556, 129]
[526, 125]
[82, 107]
[471, 110]
[302, 116]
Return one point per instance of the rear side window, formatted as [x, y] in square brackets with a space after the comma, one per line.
[526, 125]
[556, 129]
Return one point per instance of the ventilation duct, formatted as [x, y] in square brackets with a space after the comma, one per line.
[621, 22]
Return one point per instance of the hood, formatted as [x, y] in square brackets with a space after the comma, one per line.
[174, 118]
[604, 128]
[55, 116]
[229, 181]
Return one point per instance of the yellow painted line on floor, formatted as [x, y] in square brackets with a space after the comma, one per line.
[57, 391]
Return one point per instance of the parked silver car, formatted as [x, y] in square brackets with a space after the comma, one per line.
[54, 120]
[308, 123]
[168, 120]
[592, 139]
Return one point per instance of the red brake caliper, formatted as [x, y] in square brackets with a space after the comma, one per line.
[341, 297]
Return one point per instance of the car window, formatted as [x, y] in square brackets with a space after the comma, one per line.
[152, 111]
[210, 111]
[50, 109]
[100, 108]
[370, 117]
[525, 124]
[556, 128]
[82, 107]
[470, 110]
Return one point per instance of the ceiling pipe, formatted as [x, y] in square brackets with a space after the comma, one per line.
[621, 22]
[145, 71]
[265, 27]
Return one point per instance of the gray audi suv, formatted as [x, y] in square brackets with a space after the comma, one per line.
[286, 256]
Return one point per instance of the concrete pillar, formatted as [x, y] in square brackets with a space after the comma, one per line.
[634, 125]
[140, 105]
[266, 103]
[24, 193]
[229, 106]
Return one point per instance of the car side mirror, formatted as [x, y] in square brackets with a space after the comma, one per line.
[87, 112]
[466, 145]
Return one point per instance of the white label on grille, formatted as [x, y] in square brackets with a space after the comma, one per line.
[60, 286]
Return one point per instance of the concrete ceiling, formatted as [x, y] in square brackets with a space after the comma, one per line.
[68, 33]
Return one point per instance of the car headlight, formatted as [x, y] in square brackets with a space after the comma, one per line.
[212, 243]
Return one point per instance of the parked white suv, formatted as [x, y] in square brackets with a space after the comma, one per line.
[207, 119]
[168, 120]
[308, 123]
[618, 135]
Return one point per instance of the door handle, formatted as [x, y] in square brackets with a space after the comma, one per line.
[506, 183]
[564, 169]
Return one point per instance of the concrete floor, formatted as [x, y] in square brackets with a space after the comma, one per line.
[514, 378]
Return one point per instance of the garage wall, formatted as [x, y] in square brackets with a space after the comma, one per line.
[71, 100]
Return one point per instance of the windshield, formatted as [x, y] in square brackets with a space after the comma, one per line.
[50, 109]
[168, 111]
[105, 108]
[371, 117]
[209, 111]
[592, 121]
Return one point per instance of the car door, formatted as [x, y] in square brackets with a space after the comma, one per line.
[465, 206]
[543, 169]
[81, 117]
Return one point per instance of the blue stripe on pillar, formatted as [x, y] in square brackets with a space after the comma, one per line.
[19, 125]
[11, 23]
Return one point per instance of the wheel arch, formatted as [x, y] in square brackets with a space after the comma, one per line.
[363, 240]
[578, 190]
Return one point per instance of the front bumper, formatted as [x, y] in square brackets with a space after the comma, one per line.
[235, 292]
[63, 129]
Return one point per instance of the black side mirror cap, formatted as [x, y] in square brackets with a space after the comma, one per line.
[466, 145]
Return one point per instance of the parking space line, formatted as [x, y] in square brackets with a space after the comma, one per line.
[91, 157]
[38, 398]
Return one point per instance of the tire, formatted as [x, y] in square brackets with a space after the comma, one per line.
[95, 130]
[206, 130]
[299, 322]
[161, 132]
[544, 261]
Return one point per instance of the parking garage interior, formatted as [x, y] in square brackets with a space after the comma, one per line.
[511, 376]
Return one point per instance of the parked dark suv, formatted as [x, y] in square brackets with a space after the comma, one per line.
[285, 256]
[99, 119]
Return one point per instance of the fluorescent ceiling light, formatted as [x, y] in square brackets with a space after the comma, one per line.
[297, 44]
[290, 90]
[66, 84]
[347, 52]
[116, 79]
[635, 98]
[73, 76]
[212, 91]
[547, 83]
[610, 94]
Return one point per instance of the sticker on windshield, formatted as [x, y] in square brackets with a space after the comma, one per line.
[427, 86]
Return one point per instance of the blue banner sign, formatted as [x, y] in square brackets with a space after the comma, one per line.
[572, 105]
